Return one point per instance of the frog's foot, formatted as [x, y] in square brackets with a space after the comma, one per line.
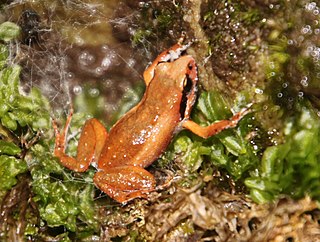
[125, 183]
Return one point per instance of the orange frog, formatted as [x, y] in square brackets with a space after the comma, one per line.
[143, 133]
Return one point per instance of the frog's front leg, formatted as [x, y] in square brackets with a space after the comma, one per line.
[215, 128]
[90, 144]
[124, 183]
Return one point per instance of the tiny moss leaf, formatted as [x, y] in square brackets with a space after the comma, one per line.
[10, 167]
[9, 148]
[9, 31]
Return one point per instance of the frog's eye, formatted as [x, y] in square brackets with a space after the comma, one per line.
[185, 82]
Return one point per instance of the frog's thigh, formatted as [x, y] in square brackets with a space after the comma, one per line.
[92, 139]
[125, 182]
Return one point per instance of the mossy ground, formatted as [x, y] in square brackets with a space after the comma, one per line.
[266, 53]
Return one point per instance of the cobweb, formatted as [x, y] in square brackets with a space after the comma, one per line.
[69, 50]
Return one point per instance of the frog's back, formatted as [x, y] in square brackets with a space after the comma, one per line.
[142, 134]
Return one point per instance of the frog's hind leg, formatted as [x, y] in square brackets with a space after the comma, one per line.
[90, 144]
[125, 183]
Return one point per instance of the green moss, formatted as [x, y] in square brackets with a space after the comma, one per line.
[164, 18]
[292, 63]
[140, 36]
[157, 19]
[17, 111]
[10, 167]
[291, 168]
[9, 148]
[61, 200]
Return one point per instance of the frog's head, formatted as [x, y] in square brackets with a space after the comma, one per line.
[180, 76]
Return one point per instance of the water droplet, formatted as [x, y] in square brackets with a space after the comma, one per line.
[106, 62]
[290, 42]
[99, 71]
[258, 91]
[108, 83]
[105, 48]
[304, 81]
[306, 29]
[86, 58]
[94, 92]
[77, 90]
[271, 65]
[143, 5]
[131, 62]
[70, 75]
[310, 6]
